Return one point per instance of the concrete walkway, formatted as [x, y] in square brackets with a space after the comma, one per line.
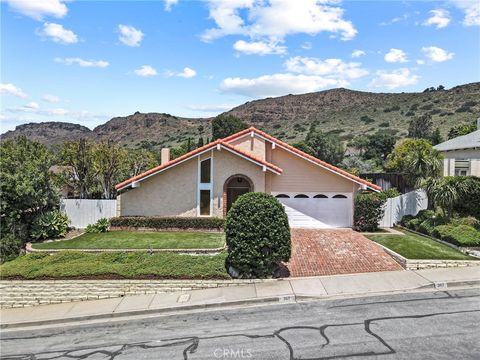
[282, 290]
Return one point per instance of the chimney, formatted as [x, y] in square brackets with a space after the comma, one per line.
[164, 156]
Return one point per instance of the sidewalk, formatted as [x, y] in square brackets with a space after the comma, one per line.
[274, 291]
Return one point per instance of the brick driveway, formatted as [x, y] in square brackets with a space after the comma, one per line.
[329, 252]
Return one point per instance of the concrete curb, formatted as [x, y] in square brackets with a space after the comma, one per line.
[219, 305]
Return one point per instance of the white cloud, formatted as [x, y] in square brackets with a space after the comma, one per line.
[10, 89]
[420, 62]
[358, 53]
[277, 84]
[58, 34]
[50, 98]
[333, 68]
[38, 9]
[32, 105]
[307, 45]
[437, 54]
[276, 19]
[186, 73]
[259, 47]
[129, 35]
[394, 79]
[439, 18]
[396, 19]
[145, 71]
[82, 62]
[169, 4]
[471, 9]
[396, 55]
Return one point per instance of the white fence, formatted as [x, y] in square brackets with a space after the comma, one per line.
[83, 212]
[407, 204]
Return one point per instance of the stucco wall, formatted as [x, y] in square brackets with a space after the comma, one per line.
[227, 164]
[253, 145]
[449, 161]
[169, 193]
[301, 175]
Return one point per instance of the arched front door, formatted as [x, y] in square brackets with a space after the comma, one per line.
[234, 187]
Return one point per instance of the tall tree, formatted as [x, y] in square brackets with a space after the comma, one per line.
[380, 145]
[436, 137]
[326, 147]
[78, 155]
[420, 127]
[225, 125]
[26, 186]
[139, 161]
[109, 160]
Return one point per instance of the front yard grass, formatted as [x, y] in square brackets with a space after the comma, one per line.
[115, 265]
[139, 240]
[413, 246]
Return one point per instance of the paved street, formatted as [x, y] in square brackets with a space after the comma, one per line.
[427, 325]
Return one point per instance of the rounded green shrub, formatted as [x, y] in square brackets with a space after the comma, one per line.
[368, 211]
[406, 219]
[463, 235]
[49, 225]
[258, 236]
[425, 214]
[468, 220]
[441, 231]
[427, 226]
[10, 247]
[414, 223]
[101, 226]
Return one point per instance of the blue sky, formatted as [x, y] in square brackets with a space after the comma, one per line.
[88, 61]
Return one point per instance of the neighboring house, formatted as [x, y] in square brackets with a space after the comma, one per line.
[462, 154]
[206, 182]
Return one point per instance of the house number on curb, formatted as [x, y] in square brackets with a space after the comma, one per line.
[440, 285]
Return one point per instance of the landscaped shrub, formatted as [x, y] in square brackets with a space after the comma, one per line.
[468, 203]
[10, 247]
[468, 220]
[168, 222]
[414, 224]
[369, 210]
[100, 226]
[258, 236]
[462, 235]
[406, 219]
[427, 226]
[441, 231]
[49, 225]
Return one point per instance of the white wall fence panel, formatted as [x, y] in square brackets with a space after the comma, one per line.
[406, 204]
[83, 212]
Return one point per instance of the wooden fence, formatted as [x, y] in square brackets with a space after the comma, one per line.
[406, 204]
[83, 212]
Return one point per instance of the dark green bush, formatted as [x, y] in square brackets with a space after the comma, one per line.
[441, 231]
[168, 222]
[425, 214]
[468, 220]
[258, 236]
[10, 247]
[50, 225]
[462, 235]
[369, 209]
[427, 226]
[469, 202]
[414, 224]
[406, 219]
[100, 226]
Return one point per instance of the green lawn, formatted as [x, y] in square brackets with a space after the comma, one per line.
[413, 246]
[139, 240]
[133, 265]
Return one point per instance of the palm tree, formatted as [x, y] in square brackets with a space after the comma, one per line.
[448, 191]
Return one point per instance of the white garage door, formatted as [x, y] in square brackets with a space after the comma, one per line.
[318, 210]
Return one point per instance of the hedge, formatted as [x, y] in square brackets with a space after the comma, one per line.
[462, 235]
[210, 223]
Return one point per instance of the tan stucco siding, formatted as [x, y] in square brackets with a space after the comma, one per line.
[227, 164]
[301, 175]
[449, 161]
[253, 145]
[169, 193]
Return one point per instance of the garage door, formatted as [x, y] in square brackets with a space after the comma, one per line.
[318, 210]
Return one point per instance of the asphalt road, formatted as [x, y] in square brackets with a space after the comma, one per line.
[430, 325]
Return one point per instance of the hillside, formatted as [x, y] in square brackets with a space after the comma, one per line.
[343, 111]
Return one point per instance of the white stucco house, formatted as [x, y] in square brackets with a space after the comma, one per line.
[206, 182]
[462, 154]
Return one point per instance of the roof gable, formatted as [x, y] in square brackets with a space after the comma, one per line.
[219, 144]
[303, 155]
[468, 141]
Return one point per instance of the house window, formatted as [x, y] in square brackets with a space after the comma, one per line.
[339, 196]
[205, 202]
[205, 170]
[301, 196]
[282, 196]
[462, 167]
[320, 196]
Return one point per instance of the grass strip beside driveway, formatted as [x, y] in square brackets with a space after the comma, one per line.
[416, 247]
[139, 240]
[115, 265]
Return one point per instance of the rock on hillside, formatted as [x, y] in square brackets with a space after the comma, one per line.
[50, 133]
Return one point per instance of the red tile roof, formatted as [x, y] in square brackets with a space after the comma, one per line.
[303, 154]
[193, 153]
